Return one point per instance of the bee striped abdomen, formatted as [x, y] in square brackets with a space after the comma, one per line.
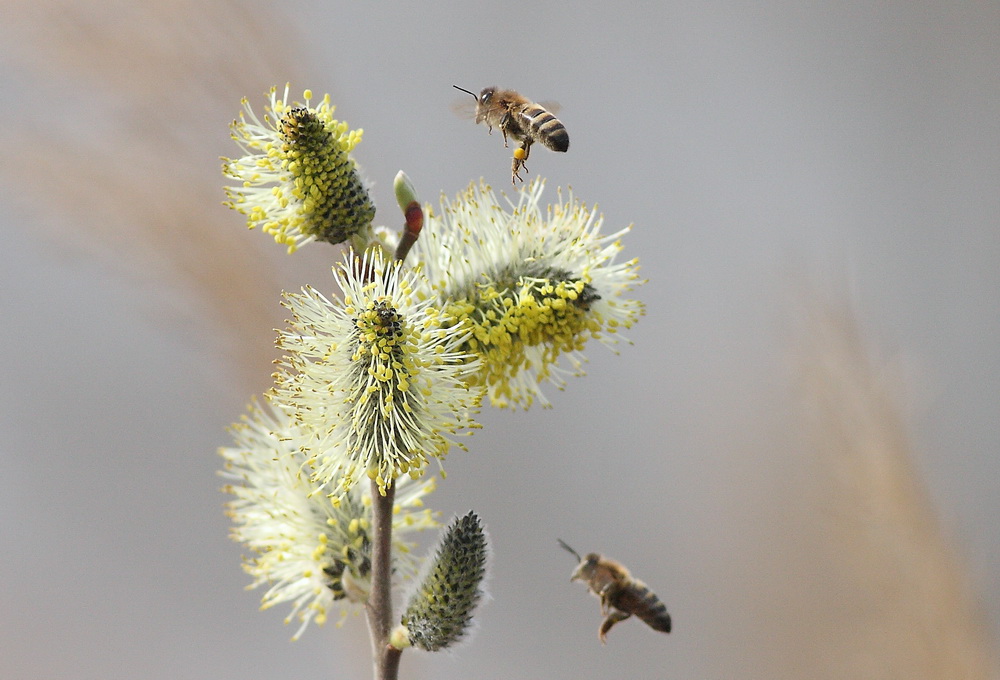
[548, 129]
[643, 602]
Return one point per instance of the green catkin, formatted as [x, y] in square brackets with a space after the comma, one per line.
[440, 611]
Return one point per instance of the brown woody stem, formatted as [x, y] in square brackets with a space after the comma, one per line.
[385, 658]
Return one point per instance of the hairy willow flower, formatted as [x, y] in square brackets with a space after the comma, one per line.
[379, 381]
[530, 286]
[299, 182]
[313, 552]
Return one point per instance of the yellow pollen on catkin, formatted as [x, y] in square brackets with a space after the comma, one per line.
[535, 313]
[299, 182]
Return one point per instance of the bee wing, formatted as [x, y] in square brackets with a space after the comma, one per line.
[552, 107]
[464, 108]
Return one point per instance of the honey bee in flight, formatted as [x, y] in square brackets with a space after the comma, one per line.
[521, 120]
[620, 594]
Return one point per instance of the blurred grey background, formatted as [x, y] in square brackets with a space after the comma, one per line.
[813, 186]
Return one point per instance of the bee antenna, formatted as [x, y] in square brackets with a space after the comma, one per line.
[563, 544]
[476, 96]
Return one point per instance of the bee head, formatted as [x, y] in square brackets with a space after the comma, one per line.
[486, 95]
[585, 570]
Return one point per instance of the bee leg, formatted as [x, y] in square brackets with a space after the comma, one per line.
[520, 155]
[515, 168]
[503, 127]
[605, 605]
[613, 618]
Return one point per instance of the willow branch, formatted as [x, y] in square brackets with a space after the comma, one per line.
[385, 659]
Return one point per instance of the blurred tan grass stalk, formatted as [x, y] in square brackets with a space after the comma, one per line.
[907, 609]
[124, 167]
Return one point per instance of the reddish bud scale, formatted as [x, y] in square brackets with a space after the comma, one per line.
[414, 218]
[414, 215]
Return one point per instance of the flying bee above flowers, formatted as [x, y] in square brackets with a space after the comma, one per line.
[520, 119]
